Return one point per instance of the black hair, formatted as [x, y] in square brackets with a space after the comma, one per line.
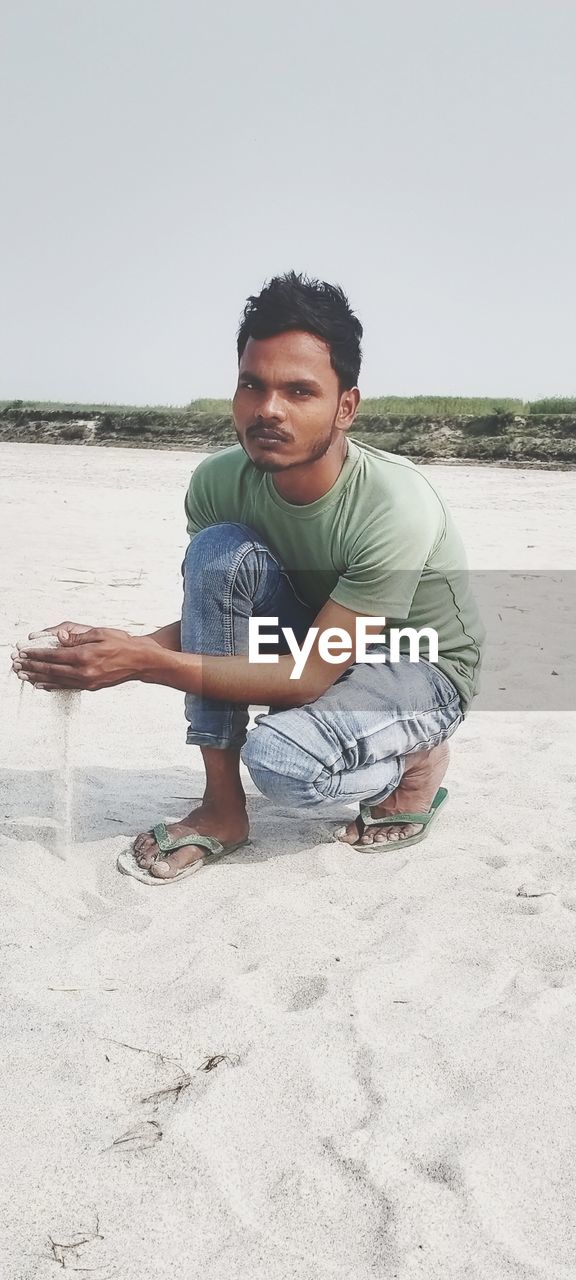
[294, 301]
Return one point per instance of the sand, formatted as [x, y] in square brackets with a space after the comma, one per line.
[65, 706]
[305, 1061]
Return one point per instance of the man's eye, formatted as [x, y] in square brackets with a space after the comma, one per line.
[301, 391]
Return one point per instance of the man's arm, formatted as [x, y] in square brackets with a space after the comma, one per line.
[168, 637]
[101, 657]
[236, 679]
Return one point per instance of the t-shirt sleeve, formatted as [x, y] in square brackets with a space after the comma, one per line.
[388, 556]
[197, 503]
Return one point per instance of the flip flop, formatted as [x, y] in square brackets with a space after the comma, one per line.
[128, 865]
[425, 820]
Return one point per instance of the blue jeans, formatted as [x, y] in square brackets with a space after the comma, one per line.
[348, 745]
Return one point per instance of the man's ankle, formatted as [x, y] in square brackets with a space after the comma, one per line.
[235, 803]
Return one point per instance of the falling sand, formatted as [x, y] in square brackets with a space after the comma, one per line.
[65, 706]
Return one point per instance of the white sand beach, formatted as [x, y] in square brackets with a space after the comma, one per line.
[308, 1061]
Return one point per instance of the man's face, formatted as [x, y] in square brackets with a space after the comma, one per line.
[288, 408]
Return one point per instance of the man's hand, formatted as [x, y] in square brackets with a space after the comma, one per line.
[90, 659]
[63, 630]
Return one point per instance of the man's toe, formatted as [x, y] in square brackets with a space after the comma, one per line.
[349, 834]
[388, 835]
[168, 867]
[146, 859]
[145, 847]
[162, 870]
[143, 840]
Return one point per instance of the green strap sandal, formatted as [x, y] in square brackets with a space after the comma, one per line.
[425, 820]
[128, 865]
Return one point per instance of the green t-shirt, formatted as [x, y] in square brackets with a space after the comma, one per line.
[381, 542]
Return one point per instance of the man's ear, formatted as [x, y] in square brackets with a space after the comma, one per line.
[348, 408]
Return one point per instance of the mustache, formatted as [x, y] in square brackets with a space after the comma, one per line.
[260, 428]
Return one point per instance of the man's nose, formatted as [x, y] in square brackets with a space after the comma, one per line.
[271, 407]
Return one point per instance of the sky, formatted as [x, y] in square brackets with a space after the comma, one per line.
[162, 159]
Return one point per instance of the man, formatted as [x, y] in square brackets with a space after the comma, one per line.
[299, 524]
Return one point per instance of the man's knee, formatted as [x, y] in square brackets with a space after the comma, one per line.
[279, 766]
[217, 545]
[232, 531]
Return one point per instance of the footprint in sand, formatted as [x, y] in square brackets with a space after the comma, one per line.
[307, 994]
[290, 994]
[533, 906]
[496, 860]
[533, 897]
[444, 1171]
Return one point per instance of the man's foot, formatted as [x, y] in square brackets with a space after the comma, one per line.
[423, 773]
[206, 821]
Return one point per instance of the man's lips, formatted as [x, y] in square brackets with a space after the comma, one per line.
[265, 434]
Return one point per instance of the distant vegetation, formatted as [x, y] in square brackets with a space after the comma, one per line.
[438, 406]
[424, 428]
[555, 405]
[398, 406]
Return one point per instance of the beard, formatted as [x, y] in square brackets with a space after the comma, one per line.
[317, 450]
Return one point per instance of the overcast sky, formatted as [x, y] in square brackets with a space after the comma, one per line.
[161, 159]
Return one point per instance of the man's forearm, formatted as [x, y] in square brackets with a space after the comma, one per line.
[169, 637]
[232, 679]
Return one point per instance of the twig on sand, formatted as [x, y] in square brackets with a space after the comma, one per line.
[146, 1134]
[153, 1053]
[214, 1061]
[63, 1250]
[60, 1251]
[149, 1132]
[170, 1093]
[127, 582]
[103, 1272]
[94, 991]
